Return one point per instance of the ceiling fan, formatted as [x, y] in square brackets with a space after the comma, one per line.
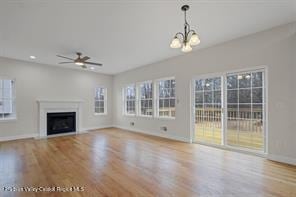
[80, 61]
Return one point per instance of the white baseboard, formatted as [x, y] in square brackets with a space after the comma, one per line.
[168, 136]
[18, 137]
[36, 135]
[282, 159]
[85, 130]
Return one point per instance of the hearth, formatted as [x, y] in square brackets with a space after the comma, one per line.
[61, 122]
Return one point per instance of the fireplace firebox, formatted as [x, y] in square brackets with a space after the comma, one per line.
[62, 122]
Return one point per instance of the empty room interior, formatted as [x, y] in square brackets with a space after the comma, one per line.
[148, 98]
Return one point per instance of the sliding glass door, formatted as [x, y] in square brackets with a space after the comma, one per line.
[245, 110]
[230, 110]
[208, 107]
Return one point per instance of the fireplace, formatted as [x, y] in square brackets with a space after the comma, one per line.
[61, 122]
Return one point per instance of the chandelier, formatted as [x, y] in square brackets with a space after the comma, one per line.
[187, 39]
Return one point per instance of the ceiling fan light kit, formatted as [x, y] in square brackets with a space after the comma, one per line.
[187, 39]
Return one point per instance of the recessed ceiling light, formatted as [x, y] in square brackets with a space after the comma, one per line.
[32, 57]
[92, 68]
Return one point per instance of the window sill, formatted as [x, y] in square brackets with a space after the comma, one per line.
[130, 115]
[165, 118]
[100, 114]
[8, 120]
[145, 116]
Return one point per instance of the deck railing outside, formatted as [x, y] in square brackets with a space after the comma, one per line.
[244, 127]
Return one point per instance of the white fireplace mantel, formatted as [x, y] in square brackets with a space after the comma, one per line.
[53, 106]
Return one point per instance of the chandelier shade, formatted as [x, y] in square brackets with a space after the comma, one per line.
[187, 39]
[176, 43]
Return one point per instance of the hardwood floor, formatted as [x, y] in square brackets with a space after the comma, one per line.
[113, 162]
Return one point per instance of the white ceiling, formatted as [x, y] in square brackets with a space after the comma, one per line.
[125, 34]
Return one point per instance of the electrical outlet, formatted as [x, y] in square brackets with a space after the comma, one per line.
[164, 128]
[132, 123]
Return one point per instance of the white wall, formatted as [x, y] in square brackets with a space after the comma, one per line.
[273, 48]
[294, 77]
[37, 81]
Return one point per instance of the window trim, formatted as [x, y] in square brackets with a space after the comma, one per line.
[138, 91]
[14, 118]
[125, 100]
[105, 101]
[156, 98]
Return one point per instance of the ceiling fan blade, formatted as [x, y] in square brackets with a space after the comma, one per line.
[66, 62]
[92, 63]
[85, 58]
[65, 57]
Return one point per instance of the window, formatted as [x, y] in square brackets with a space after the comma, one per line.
[7, 99]
[130, 99]
[146, 93]
[166, 98]
[101, 101]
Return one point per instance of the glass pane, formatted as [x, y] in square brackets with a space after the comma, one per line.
[245, 119]
[7, 93]
[232, 82]
[232, 111]
[232, 132]
[150, 103]
[217, 83]
[257, 112]
[161, 93]
[167, 93]
[172, 102]
[7, 106]
[208, 96]
[97, 104]
[207, 115]
[100, 92]
[199, 85]
[245, 96]
[173, 94]
[257, 95]
[131, 92]
[257, 79]
[1, 106]
[257, 135]
[166, 103]
[208, 84]
[173, 83]
[245, 111]
[167, 83]
[217, 97]
[7, 84]
[199, 110]
[232, 96]
[161, 103]
[244, 80]
[199, 97]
